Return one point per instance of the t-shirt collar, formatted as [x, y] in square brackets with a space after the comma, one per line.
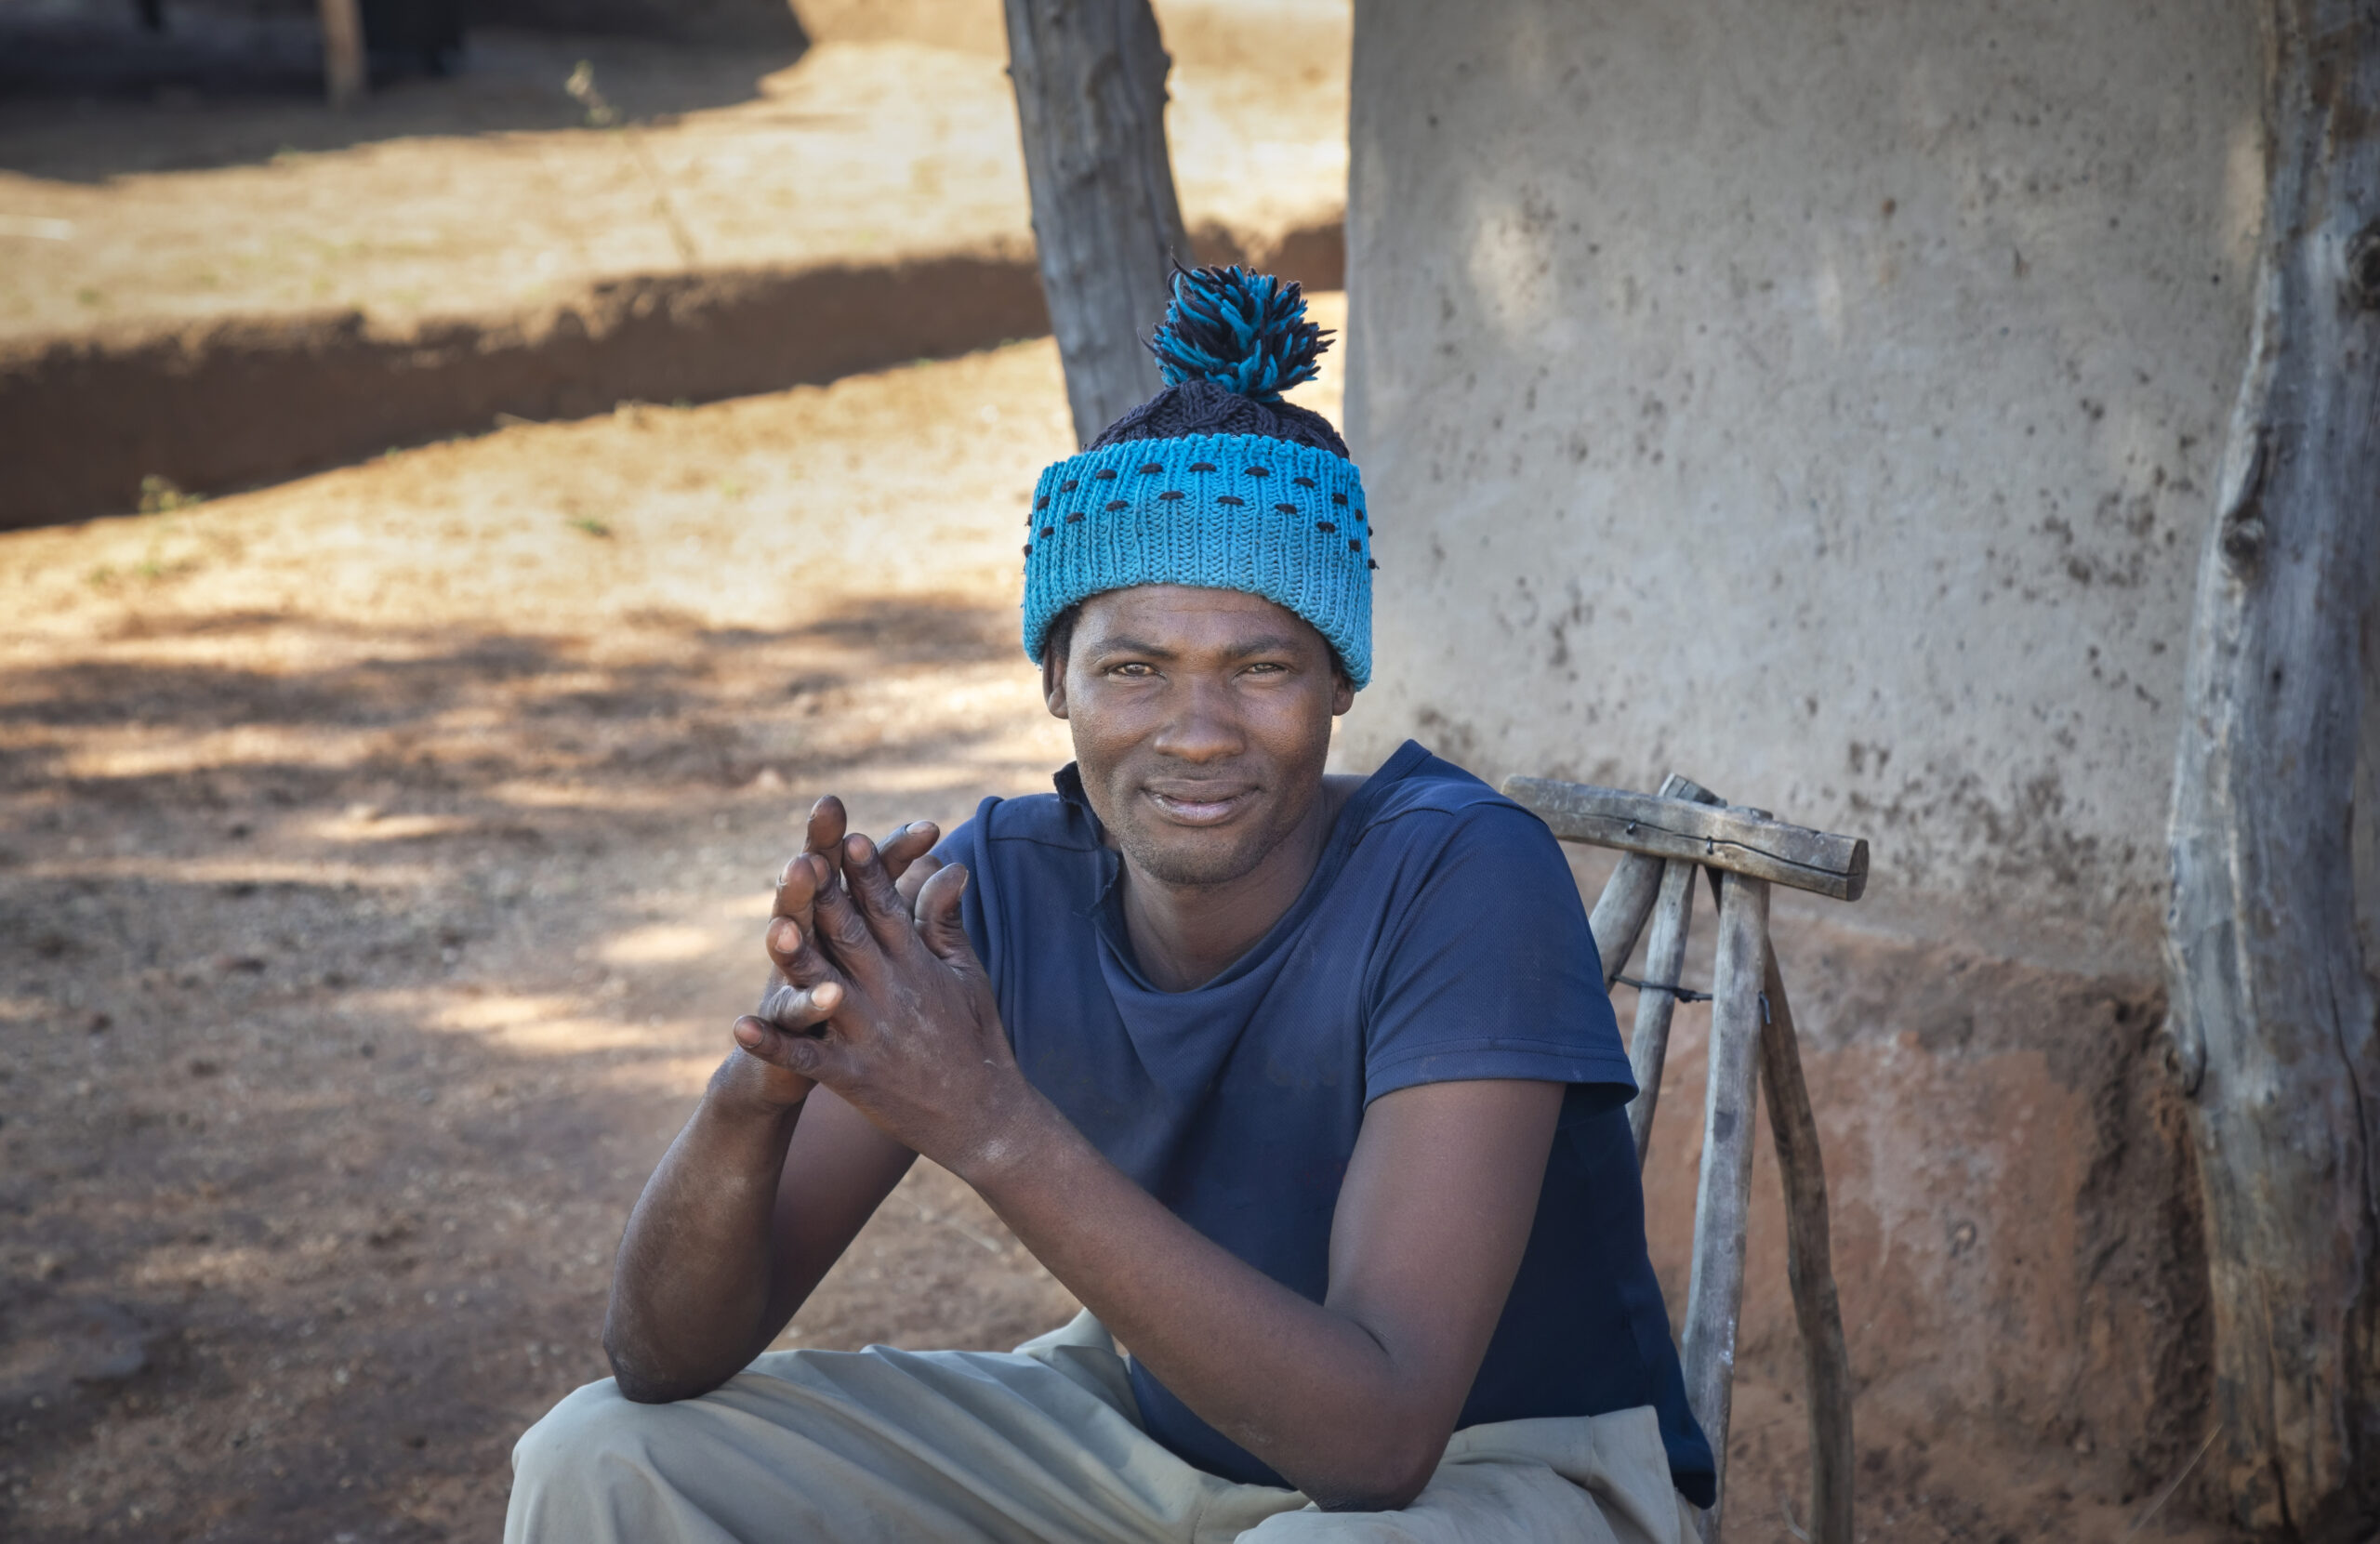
[1345, 832]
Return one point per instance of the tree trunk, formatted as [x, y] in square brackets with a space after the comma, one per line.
[1090, 78]
[344, 75]
[2273, 1004]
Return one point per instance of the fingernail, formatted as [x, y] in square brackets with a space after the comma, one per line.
[784, 937]
[827, 996]
[860, 849]
[747, 1032]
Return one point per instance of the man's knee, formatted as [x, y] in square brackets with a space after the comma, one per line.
[592, 1427]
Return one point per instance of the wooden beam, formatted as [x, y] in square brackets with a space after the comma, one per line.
[1090, 78]
[2273, 1004]
[344, 77]
[1723, 1193]
[1739, 841]
[1809, 1266]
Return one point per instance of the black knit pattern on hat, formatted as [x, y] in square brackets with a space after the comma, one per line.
[1203, 407]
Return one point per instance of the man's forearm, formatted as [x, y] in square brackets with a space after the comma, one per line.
[691, 1289]
[1309, 1391]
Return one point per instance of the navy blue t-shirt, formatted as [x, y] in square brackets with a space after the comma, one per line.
[1440, 939]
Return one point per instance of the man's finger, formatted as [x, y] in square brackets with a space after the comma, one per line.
[797, 885]
[793, 950]
[824, 836]
[914, 879]
[837, 927]
[905, 846]
[803, 1054]
[938, 918]
[872, 892]
[798, 1010]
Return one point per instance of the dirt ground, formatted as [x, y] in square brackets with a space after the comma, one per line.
[490, 194]
[382, 861]
[382, 853]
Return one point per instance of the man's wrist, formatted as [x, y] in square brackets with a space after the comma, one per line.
[1028, 1137]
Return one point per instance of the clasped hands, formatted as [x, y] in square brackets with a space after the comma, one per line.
[877, 994]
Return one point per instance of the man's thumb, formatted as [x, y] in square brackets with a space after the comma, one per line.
[938, 918]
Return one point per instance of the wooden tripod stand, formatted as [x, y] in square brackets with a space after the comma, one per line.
[1664, 839]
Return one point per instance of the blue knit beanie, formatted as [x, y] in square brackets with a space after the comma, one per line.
[1215, 482]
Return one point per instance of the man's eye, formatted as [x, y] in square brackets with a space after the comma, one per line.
[1136, 670]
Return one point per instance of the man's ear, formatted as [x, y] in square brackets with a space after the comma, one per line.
[1342, 694]
[1053, 681]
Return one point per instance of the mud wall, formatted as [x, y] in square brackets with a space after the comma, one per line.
[1823, 400]
[1818, 399]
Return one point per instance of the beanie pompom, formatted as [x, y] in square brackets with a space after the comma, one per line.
[1244, 332]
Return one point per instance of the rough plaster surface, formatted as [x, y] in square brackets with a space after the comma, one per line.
[1821, 399]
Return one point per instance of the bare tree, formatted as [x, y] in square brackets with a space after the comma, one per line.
[2273, 1002]
[1090, 78]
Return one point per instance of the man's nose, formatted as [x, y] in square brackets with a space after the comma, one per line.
[1204, 727]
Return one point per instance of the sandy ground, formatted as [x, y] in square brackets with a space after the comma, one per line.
[489, 192]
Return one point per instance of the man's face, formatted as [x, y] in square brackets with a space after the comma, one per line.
[1200, 718]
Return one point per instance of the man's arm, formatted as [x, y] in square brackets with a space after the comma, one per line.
[1352, 1399]
[758, 1196]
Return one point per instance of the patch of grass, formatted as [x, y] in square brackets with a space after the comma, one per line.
[159, 497]
[592, 527]
[90, 297]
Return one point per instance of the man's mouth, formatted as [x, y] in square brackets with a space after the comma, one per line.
[1195, 804]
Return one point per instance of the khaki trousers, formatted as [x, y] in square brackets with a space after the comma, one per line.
[1040, 1443]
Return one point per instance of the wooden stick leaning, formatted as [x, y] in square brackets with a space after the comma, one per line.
[1809, 1266]
[1714, 1294]
[1620, 910]
[1627, 898]
[1649, 1044]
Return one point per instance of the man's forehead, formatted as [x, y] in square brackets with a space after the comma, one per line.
[1155, 612]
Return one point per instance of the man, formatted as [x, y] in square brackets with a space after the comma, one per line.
[1307, 1087]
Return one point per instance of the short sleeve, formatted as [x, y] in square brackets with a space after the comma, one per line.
[1489, 970]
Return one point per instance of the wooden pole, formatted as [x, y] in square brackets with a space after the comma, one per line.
[344, 77]
[1090, 78]
[1809, 1266]
[1627, 899]
[1723, 1195]
[1649, 1045]
[2273, 1015]
[1619, 917]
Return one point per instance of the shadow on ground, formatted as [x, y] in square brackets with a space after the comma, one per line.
[347, 1001]
[215, 97]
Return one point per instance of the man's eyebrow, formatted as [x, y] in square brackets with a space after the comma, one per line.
[1124, 643]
